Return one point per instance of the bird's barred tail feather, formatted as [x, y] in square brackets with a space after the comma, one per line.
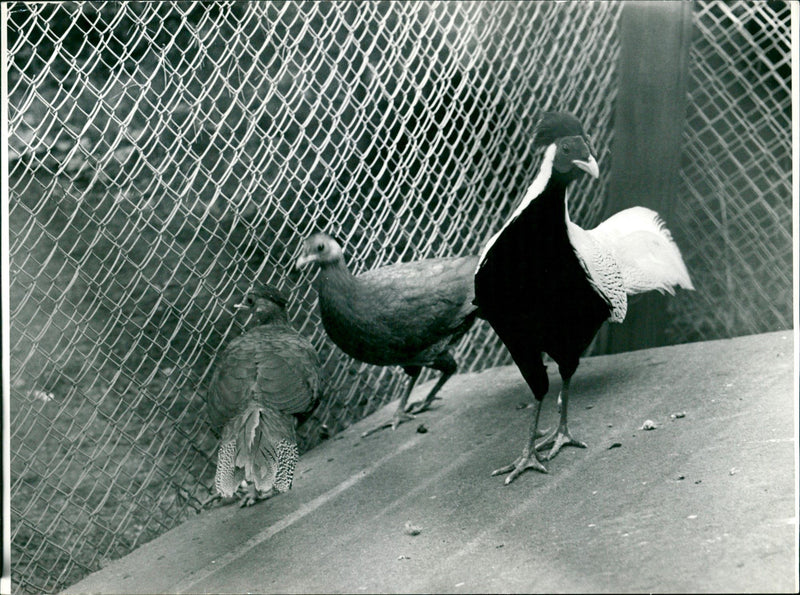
[228, 477]
[258, 445]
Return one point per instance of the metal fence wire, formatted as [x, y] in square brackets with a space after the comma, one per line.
[164, 156]
[733, 218]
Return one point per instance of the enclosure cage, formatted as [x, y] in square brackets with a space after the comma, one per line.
[164, 157]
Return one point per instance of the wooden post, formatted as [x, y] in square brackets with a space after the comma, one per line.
[650, 113]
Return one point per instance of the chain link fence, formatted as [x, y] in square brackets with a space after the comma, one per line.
[165, 156]
[733, 218]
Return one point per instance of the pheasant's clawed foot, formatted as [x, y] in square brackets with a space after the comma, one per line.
[420, 406]
[243, 492]
[530, 461]
[218, 500]
[398, 418]
[558, 438]
[253, 496]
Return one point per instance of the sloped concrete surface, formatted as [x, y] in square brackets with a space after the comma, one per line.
[703, 503]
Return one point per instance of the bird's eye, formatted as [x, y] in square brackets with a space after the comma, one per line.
[565, 148]
[320, 247]
[249, 301]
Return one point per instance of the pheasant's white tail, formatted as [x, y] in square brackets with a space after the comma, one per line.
[648, 257]
[258, 445]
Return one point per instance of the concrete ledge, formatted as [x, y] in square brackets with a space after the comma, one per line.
[704, 503]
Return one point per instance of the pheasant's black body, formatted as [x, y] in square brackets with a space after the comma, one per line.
[532, 288]
[547, 285]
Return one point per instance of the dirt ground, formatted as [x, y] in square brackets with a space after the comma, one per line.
[705, 502]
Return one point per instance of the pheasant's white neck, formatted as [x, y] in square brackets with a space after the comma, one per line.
[538, 185]
[534, 190]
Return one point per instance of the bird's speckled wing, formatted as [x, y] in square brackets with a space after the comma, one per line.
[443, 285]
[272, 365]
[421, 303]
[601, 268]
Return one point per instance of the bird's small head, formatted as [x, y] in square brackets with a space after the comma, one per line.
[266, 302]
[573, 149]
[319, 248]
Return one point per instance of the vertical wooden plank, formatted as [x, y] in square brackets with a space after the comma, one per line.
[650, 112]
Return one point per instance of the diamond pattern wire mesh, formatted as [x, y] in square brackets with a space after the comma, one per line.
[165, 156]
[734, 215]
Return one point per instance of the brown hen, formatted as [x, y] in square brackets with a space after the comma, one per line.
[409, 314]
[262, 380]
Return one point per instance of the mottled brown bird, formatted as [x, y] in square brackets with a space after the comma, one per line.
[263, 379]
[408, 314]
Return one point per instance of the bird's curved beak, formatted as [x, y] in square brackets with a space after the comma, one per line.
[589, 166]
[239, 306]
[303, 260]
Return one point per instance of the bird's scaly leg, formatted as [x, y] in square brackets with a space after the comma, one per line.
[211, 501]
[560, 436]
[445, 363]
[246, 495]
[530, 457]
[253, 495]
[421, 406]
[400, 414]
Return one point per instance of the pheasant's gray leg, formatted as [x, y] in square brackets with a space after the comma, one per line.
[253, 495]
[218, 499]
[211, 501]
[560, 436]
[529, 361]
[447, 366]
[530, 457]
[400, 414]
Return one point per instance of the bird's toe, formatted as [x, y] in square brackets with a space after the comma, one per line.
[254, 496]
[371, 431]
[218, 500]
[415, 407]
[211, 501]
[420, 406]
[519, 466]
[561, 438]
[399, 418]
[547, 440]
[503, 470]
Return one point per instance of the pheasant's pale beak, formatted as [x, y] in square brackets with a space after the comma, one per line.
[304, 260]
[239, 306]
[589, 166]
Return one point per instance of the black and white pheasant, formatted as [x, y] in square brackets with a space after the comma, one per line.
[547, 285]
